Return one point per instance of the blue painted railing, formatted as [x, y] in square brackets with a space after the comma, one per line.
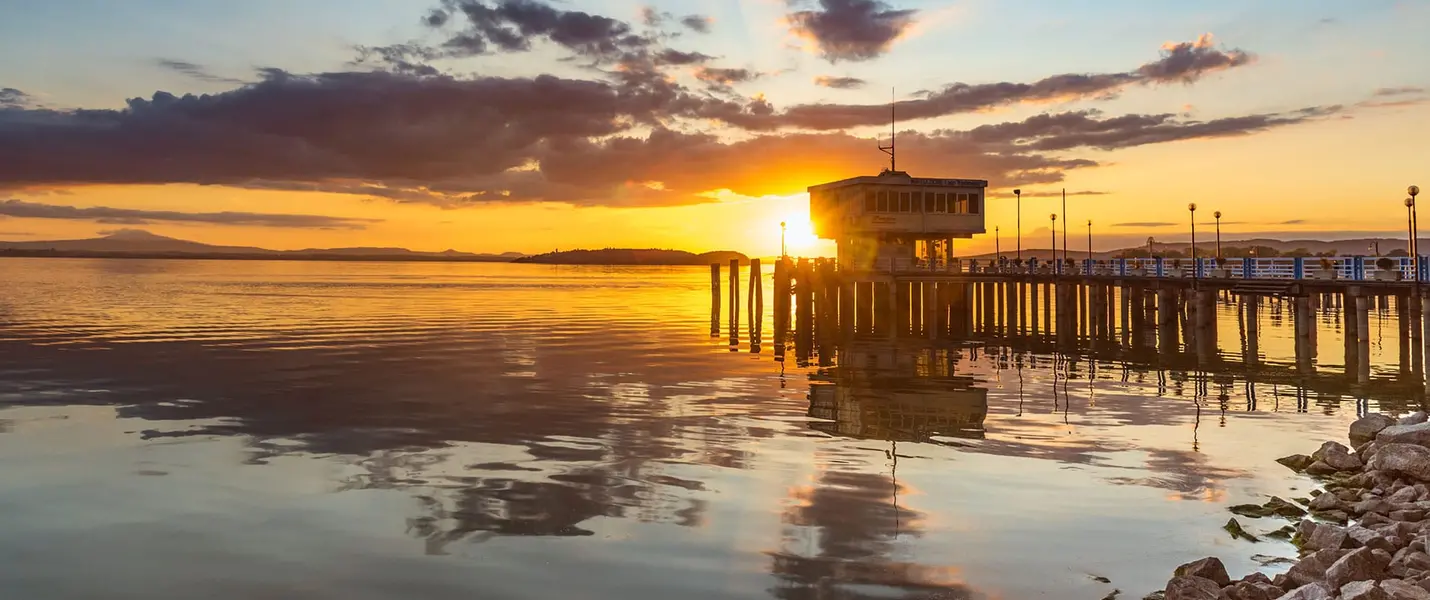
[1354, 268]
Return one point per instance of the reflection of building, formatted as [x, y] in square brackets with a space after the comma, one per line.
[895, 216]
[881, 391]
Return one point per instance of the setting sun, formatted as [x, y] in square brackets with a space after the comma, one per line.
[799, 235]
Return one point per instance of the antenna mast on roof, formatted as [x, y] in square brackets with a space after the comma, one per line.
[890, 148]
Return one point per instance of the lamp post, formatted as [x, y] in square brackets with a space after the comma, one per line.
[1217, 214]
[1089, 239]
[1053, 218]
[1414, 191]
[783, 252]
[998, 245]
[1196, 268]
[1019, 195]
[1150, 241]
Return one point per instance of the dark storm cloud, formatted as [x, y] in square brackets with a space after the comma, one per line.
[126, 216]
[1059, 193]
[13, 98]
[409, 58]
[697, 23]
[512, 26]
[372, 126]
[1185, 62]
[1083, 129]
[840, 83]
[1399, 91]
[675, 57]
[455, 142]
[722, 79]
[1144, 224]
[851, 30]
[1188, 61]
[651, 17]
[195, 71]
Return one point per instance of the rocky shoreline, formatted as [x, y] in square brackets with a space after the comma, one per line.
[1363, 537]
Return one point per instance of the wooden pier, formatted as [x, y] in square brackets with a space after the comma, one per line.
[1107, 310]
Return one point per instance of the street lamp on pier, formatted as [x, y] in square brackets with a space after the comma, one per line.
[1217, 214]
[1196, 268]
[1019, 195]
[1053, 219]
[783, 253]
[997, 245]
[1414, 191]
[1089, 239]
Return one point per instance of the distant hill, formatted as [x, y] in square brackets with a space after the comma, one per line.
[135, 243]
[631, 256]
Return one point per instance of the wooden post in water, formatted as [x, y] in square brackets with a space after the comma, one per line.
[715, 300]
[803, 312]
[1253, 322]
[757, 304]
[781, 316]
[916, 307]
[734, 303]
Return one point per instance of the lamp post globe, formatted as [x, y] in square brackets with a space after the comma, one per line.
[1413, 190]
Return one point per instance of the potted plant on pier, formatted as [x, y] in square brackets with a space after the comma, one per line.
[1387, 271]
[1221, 272]
[1176, 270]
[1069, 266]
[1326, 270]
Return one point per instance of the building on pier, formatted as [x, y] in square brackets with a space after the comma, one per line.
[893, 218]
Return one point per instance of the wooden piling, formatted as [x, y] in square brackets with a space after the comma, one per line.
[715, 300]
[757, 305]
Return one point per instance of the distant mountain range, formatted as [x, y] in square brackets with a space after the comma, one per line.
[135, 243]
[142, 244]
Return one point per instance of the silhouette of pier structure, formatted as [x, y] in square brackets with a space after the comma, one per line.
[1142, 322]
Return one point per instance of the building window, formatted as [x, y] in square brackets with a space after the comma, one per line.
[928, 201]
[941, 205]
[903, 202]
[869, 201]
[883, 201]
[973, 203]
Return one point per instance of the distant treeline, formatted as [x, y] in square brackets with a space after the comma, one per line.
[632, 256]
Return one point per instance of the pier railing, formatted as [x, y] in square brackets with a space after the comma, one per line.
[1353, 268]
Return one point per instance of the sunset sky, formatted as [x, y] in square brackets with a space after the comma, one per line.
[523, 125]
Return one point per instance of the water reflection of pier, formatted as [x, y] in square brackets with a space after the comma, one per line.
[1140, 323]
[880, 392]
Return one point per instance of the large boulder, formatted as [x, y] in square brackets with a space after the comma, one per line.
[1206, 568]
[1363, 590]
[1414, 418]
[1418, 434]
[1325, 502]
[1359, 565]
[1410, 460]
[1296, 462]
[1189, 587]
[1310, 591]
[1325, 536]
[1364, 429]
[1399, 589]
[1312, 568]
[1337, 456]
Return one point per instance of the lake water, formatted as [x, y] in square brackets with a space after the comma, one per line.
[236, 429]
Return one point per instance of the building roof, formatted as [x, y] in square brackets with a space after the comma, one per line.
[900, 178]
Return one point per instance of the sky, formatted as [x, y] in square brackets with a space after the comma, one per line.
[534, 125]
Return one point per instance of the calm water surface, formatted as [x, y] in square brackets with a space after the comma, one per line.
[236, 429]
